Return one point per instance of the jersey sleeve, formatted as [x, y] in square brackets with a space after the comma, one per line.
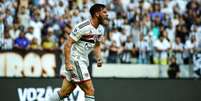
[79, 30]
[75, 34]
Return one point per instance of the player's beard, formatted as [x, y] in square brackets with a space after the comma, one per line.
[103, 21]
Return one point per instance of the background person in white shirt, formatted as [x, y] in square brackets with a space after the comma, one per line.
[37, 25]
[7, 41]
[142, 47]
[177, 48]
[189, 49]
[162, 46]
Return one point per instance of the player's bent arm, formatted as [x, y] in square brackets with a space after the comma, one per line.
[97, 52]
[67, 50]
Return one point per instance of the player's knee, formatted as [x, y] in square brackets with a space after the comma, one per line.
[90, 91]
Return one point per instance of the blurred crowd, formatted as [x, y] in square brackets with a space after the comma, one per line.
[140, 31]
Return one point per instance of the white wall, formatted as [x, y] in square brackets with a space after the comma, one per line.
[135, 71]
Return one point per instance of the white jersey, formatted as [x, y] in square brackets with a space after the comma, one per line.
[85, 36]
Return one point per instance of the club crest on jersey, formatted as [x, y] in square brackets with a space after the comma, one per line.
[75, 30]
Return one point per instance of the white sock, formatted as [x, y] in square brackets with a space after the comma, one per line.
[89, 98]
[55, 97]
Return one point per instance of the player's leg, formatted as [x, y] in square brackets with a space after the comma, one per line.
[88, 89]
[66, 88]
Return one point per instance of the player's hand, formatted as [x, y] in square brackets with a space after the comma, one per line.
[69, 67]
[99, 62]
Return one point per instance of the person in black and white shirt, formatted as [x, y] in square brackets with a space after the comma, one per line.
[177, 48]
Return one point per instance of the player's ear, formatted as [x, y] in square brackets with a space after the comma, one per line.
[97, 14]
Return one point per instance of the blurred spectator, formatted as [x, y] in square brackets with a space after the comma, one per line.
[2, 9]
[155, 29]
[116, 36]
[197, 64]
[37, 26]
[85, 4]
[135, 32]
[59, 9]
[189, 49]
[24, 17]
[29, 34]
[13, 6]
[156, 14]
[117, 6]
[123, 36]
[113, 53]
[196, 30]
[1, 30]
[62, 41]
[167, 21]
[21, 42]
[15, 30]
[76, 18]
[126, 51]
[64, 36]
[7, 41]
[173, 70]
[85, 14]
[167, 7]
[162, 46]
[52, 3]
[52, 36]
[142, 47]
[178, 49]
[9, 18]
[119, 21]
[126, 27]
[182, 33]
[105, 2]
[67, 30]
[34, 44]
[105, 46]
[150, 49]
[48, 43]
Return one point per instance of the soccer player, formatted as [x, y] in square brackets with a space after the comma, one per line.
[84, 38]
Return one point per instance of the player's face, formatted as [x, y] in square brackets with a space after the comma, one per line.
[103, 17]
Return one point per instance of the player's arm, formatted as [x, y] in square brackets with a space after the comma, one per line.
[73, 37]
[97, 52]
[67, 50]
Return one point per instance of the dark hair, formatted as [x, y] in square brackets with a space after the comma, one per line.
[96, 8]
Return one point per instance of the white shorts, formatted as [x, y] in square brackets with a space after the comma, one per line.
[80, 71]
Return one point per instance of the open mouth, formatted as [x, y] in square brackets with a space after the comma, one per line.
[106, 18]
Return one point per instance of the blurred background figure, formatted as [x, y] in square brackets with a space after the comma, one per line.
[178, 49]
[7, 41]
[142, 47]
[173, 70]
[162, 47]
[113, 53]
[21, 42]
[34, 44]
[50, 41]
[126, 51]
